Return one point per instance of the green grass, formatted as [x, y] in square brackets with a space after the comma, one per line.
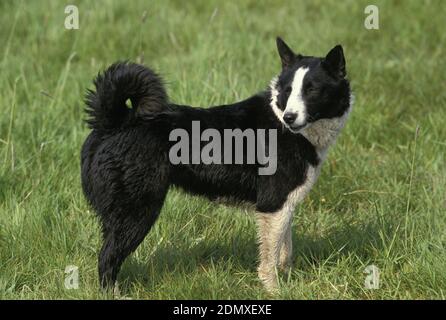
[380, 199]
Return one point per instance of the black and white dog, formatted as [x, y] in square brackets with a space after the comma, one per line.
[126, 171]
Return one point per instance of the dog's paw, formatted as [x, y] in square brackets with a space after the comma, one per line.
[116, 291]
[285, 266]
[268, 277]
[117, 295]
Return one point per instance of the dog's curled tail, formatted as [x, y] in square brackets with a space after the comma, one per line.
[122, 81]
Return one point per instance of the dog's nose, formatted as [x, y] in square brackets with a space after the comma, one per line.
[289, 117]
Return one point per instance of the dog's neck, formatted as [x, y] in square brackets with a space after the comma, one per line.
[323, 133]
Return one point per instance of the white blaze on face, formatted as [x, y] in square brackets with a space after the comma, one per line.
[295, 103]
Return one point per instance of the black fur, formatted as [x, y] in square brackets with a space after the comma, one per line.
[125, 167]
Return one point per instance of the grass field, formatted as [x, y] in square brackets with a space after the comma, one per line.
[380, 199]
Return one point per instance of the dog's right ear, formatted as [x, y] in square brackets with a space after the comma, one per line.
[286, 54]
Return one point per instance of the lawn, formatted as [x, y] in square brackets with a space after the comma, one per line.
[380, 199]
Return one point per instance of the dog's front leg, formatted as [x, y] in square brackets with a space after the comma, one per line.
[273, 228]
[286, 252]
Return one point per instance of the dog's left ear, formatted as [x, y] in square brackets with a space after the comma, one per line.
[334, 62]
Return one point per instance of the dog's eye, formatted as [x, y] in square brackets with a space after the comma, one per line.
[310, 88]
[287, 90]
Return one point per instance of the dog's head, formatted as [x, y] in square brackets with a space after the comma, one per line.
[309, 88]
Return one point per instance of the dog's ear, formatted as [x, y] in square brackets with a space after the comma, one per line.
[334, 62]
[286, 54]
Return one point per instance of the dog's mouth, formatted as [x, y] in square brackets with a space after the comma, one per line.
[297, 128]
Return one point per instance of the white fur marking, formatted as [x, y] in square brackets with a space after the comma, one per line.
[295, 103]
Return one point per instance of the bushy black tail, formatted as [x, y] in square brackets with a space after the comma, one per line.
[107, 107]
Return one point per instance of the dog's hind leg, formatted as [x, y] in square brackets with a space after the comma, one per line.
[122, 233]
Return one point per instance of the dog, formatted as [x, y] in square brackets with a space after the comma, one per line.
[125, 167]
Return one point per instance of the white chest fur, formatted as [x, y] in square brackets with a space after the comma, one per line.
[298, 194]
